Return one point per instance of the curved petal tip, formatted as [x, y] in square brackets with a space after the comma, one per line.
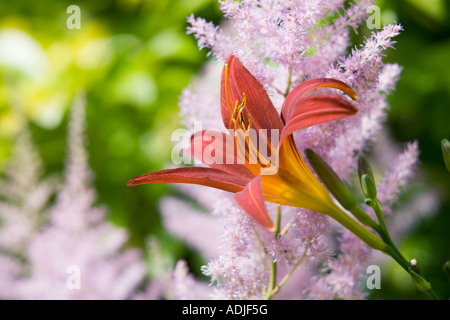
[251, 201]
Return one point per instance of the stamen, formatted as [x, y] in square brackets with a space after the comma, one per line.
[233, 115]
[227, 93]
[241, 118]
[246, 148]
[237, 115]
[249, 122]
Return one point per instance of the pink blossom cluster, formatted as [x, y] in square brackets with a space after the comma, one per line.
[66, 250]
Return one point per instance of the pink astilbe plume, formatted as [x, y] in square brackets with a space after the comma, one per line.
[239, 248]
[343, 278]
[75, 240]
[186, 287]
[204, 227]
[398, 176]
[24, 198]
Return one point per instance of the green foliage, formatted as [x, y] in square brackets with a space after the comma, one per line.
[132, 58]
[420, 111]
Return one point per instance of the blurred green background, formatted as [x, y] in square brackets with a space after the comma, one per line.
[420, 110]
[133, 58]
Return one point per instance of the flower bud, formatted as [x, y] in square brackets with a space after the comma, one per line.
[368, 187]
[338, 188]
[365, 168]
[445, 144]
[331, 180]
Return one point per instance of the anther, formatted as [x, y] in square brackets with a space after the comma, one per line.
[237, 116]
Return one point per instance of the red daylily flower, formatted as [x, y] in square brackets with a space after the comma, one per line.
[245, 105]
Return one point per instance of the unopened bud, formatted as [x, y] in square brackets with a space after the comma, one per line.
[331, 180]
[445, 144]
[366, 178]
[365, 168]
[368, 187]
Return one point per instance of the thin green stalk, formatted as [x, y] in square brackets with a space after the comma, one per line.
[352, 225]
[383, 232]
[364, 218]
[419, 281]
[417, 277]
[288, 83]
[273, 263]
[382, 225]
[286, 277]
[286, 227]
[398, 257]
[275, 290]
[272, 280]
[277, 222]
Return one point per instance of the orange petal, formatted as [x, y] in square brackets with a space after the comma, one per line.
[287, 189]
[216, 149]
[251, 201]
[315, 110]
[237, 81]
[194, 175]
[305, 87]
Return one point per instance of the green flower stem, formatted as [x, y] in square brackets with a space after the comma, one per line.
[276, 289]
[286, 277]
[419, 281]
[385, 244]
[397, 256]
[273, 264]
[277, 222]
[288, 87]
[416, 275]
[364, 218]
[287, 227]
[365, 235]
[273, 288]
[375, 204]
[272, 281]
